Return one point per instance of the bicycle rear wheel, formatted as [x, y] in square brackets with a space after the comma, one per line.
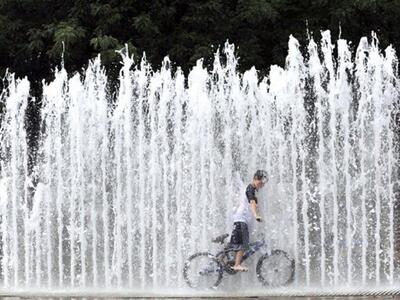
[202, 270]
[276, 269]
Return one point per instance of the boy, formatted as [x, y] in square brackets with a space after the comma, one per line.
[243, 217]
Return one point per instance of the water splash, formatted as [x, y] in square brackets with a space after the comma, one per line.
[127, 190]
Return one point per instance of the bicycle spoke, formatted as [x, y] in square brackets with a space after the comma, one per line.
[202, 271]
[276, 269]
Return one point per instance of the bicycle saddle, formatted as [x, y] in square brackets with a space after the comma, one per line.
[220, 239]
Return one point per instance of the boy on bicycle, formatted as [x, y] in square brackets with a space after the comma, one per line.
[243, 216]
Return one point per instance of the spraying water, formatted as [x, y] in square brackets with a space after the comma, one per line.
[127, 190]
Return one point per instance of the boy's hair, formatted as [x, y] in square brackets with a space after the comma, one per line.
[260, 175]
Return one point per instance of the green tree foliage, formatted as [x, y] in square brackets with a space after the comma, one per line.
[36, 34]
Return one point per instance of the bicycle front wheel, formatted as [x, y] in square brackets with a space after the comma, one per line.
[202, 270]
[276, 269]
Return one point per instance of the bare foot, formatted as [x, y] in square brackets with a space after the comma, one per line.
[240, 268]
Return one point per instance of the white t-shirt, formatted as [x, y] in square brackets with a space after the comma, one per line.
[243, 212]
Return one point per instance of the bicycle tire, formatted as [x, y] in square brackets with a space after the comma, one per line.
[280, 268]
[215, 267]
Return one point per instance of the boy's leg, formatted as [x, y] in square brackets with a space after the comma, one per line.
[238, 258]
[244, 239]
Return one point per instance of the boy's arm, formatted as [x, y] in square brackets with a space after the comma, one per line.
[254, 210]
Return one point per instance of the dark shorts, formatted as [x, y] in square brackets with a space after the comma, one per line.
[239, 236]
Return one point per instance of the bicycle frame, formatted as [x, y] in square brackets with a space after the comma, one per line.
[253, 248]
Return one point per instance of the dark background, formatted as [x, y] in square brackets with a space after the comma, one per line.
[32, 31]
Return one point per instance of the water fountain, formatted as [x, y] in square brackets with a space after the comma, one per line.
[124, 191]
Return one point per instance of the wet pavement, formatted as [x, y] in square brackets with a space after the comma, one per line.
[394, 297]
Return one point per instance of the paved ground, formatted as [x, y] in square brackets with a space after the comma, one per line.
[263, 298]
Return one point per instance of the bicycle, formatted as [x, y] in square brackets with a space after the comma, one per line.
[205, 270]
